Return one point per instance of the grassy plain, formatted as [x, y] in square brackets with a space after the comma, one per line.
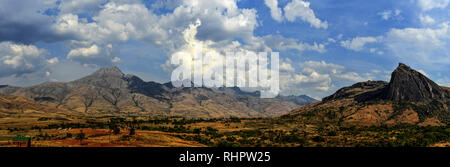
[232, 132]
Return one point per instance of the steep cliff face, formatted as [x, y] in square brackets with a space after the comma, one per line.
[410, 85]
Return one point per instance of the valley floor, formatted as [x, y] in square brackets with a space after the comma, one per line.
[176, 132]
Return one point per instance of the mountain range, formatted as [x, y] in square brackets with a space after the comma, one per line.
[409, 98]
[109, 91]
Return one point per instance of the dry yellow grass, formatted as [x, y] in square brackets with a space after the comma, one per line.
[101, 138]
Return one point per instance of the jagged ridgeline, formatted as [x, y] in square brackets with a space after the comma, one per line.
[409, 98]
[109, 91]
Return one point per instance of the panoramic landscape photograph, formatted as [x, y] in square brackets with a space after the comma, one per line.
[224, 73]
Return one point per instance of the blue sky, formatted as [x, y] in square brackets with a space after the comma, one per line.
[323, 44]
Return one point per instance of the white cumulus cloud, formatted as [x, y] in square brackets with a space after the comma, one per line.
[426, 19]
[80, 6]
[316, 78]
[426, 5]
[300, 9]
[19, 59]
[94, 55]
[358, 43]
[425, 45]
[294, 10]
[281, 43]
[388, 14]
[275, 11]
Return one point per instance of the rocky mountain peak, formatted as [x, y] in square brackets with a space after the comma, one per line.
[109, 71]
[109, 77]
[408, 84]
[403, 68]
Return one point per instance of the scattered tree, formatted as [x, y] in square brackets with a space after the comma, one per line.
[80, 136]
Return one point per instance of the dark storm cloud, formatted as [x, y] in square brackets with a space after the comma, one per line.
[27, 21]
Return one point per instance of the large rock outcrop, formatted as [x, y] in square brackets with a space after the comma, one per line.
[406, 85]
[409, 98]
[410, 85]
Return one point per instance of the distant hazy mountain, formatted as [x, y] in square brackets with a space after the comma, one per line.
[409, 98]
[109, 91]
